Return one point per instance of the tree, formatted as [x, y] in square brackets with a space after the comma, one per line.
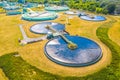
[62, 2]
[45, 1]
[118, 10]
[105, 11]
[71, 3]
[99, 10]
[111, 8]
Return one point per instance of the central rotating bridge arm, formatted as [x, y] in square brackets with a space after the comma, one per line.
[70, 44]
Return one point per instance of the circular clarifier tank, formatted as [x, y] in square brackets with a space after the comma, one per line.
[87, 52]
[72, 12]
[13, 7]
[93, 18]
[1, 4]
[39, 16]
[30, 5]
[40, 28]
[57, 8]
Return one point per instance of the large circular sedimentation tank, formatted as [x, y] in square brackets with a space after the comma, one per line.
[39, 16]
[87, 52]
[40, 28]
[57, 8]
[93, 18]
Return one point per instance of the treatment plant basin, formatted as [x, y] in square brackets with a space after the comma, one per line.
[93, 18]
[86, 53]
[39, 16]
[1, 4]
[57, 8]
[72, 12]
[13, 7]
[40, 28]
[30, 5]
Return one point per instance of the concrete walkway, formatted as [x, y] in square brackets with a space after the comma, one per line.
[27, 40]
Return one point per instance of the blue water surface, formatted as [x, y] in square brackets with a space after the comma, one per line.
[94, 18]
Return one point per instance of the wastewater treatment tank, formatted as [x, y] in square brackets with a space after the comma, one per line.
[30, 5]
[13, 7]
[10, 5]
[86, 53]
[93, 18]
[40, 28]
[39, 16]
[57, 8]
[1, 4]
[72, 12]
